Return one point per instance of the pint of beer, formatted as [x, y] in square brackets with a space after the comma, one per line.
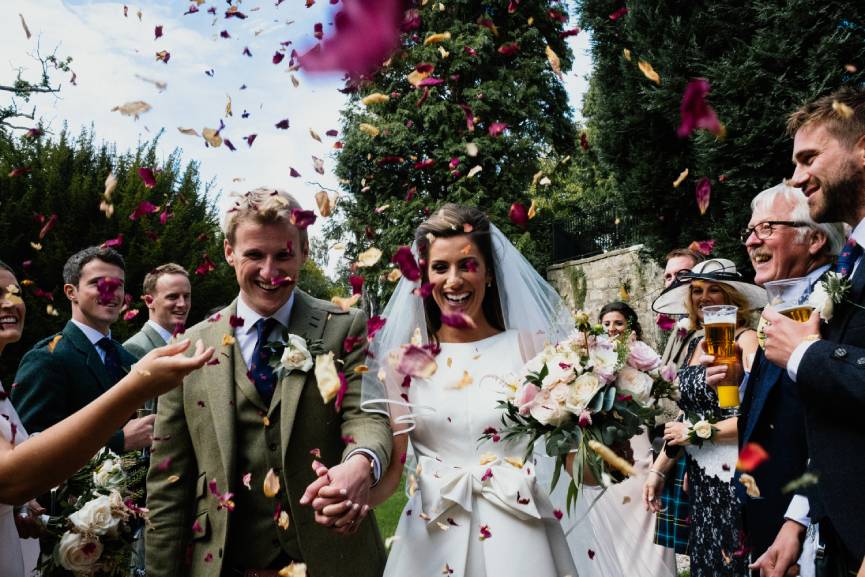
[719, 323]
[790, 297]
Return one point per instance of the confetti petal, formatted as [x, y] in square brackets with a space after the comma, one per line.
[649, 72]
[703, 192]
[369, 257]
[326, 377]
[270, 486]
[695, 112]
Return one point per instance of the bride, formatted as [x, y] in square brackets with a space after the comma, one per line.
[476, 508]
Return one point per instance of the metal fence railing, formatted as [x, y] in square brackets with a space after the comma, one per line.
[588, 233]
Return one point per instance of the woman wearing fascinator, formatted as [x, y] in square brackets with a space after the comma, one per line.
[478, 312]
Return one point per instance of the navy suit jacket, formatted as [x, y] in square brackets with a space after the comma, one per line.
[831, 380]
[773, 416]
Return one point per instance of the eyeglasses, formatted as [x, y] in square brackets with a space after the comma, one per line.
[765, 229]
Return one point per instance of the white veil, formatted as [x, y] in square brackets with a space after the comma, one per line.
[529, 305]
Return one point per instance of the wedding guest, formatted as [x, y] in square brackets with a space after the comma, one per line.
[31, 466]
[168, 296]
[64, 372]
[825, 359]
[673, 519]
[507, 312]
[782, 242]
[609, 531]
[240, 421]
[618, 318]
[716, 545]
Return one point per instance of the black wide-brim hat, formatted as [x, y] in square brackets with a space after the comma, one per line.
[718, 270]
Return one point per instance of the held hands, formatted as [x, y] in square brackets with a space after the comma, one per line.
[784, 334]
[340, 495]
[27, 519]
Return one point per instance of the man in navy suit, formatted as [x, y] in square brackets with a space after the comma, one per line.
[827, 359]
[783, 242]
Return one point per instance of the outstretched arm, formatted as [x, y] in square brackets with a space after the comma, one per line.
[43, 461]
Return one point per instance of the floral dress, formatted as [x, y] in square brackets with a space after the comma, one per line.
[716, 548]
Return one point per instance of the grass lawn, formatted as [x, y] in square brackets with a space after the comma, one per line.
[387, 514]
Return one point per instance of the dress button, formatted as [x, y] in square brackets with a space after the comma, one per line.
[840, 353]
[272, 446]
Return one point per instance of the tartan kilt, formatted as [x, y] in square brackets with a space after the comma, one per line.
[672, 525]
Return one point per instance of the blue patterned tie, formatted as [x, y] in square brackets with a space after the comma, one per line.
[848, 257]
[260, 370]
[112, 360]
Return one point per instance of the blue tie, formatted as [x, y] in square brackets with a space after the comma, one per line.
[260, 370]
[112, 360]
[848, 257]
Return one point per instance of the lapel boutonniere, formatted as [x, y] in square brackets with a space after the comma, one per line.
[291, 353]
[830, 291]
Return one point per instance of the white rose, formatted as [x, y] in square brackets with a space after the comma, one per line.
[820, 300]
[109, 474]
[604, 358]
[637, 383]
[295, 356]
[560, 369]
[683, 324]
[703, 429]
[78, 553]
[582, 392]
[95, 517]
[547, 410]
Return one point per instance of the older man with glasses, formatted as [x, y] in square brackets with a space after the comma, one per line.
[783, 242]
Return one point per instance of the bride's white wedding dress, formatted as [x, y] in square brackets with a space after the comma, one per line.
[476, 512]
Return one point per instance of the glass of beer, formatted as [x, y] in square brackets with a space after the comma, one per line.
[719, 323]
[790, 297]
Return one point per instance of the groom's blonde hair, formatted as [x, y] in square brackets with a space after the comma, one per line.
[263, 206]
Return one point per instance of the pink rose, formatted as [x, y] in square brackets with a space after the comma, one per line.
[642, 357]
[668, 372]
[547, 411]
[526, 397]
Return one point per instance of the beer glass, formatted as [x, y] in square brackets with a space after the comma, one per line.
[790, 297]
[719, 323]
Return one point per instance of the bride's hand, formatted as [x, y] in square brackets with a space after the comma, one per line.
[652, 489]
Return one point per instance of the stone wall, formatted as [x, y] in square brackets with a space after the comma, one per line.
[623, 274]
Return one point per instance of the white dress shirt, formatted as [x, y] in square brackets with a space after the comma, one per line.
[93, 336]
[165, 334]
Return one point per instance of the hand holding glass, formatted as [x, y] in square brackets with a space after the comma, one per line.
[719, 322]
[790, 297]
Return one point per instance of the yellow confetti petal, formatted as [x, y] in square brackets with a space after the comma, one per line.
[750, 485]
[416, 77]
[293, 570]
[514, 461]
[533, 209]
[374, 98]
[368, 257]
[465, 381]
[51, 311]
[134, 108]
[474, 170]
[361, 369]
[649, 72]
[228, 106]
[436, 38]
[627, 54]
[682, 176]
[54, 342]
[110, 185]
[555, 62]
[173, 479]
[326, 376]
[322, 199]
[212, 138]
[842, 109]
[294, 81]
[488, 458]
[345, 303]
[450, 362]
[471, 149]
[394, 275]
[283, 521]
[36, 246]
[265, 421]
[444, 53]
[271, 484]
[369, 129]
[412, 485]
[314, 135]
[228, 340]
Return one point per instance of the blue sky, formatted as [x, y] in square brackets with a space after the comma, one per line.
[113, 53]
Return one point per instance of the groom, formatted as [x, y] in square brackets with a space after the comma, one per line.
[234, 444]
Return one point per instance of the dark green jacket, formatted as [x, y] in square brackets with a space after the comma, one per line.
[51, 385]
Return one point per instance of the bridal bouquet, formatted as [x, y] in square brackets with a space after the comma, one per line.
[94, 532]
[588, 394]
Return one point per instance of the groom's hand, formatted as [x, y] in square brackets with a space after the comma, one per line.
[340, 495]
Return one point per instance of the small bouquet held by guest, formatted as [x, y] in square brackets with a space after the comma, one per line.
[99, 514]
[588, 394]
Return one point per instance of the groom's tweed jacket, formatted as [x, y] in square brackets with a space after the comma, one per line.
[199, 452]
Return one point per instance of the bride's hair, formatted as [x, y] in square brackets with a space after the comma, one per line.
[454, 220]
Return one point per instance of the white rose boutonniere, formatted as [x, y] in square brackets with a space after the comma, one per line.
[703, 429]
[822, 302]
[296, 355]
